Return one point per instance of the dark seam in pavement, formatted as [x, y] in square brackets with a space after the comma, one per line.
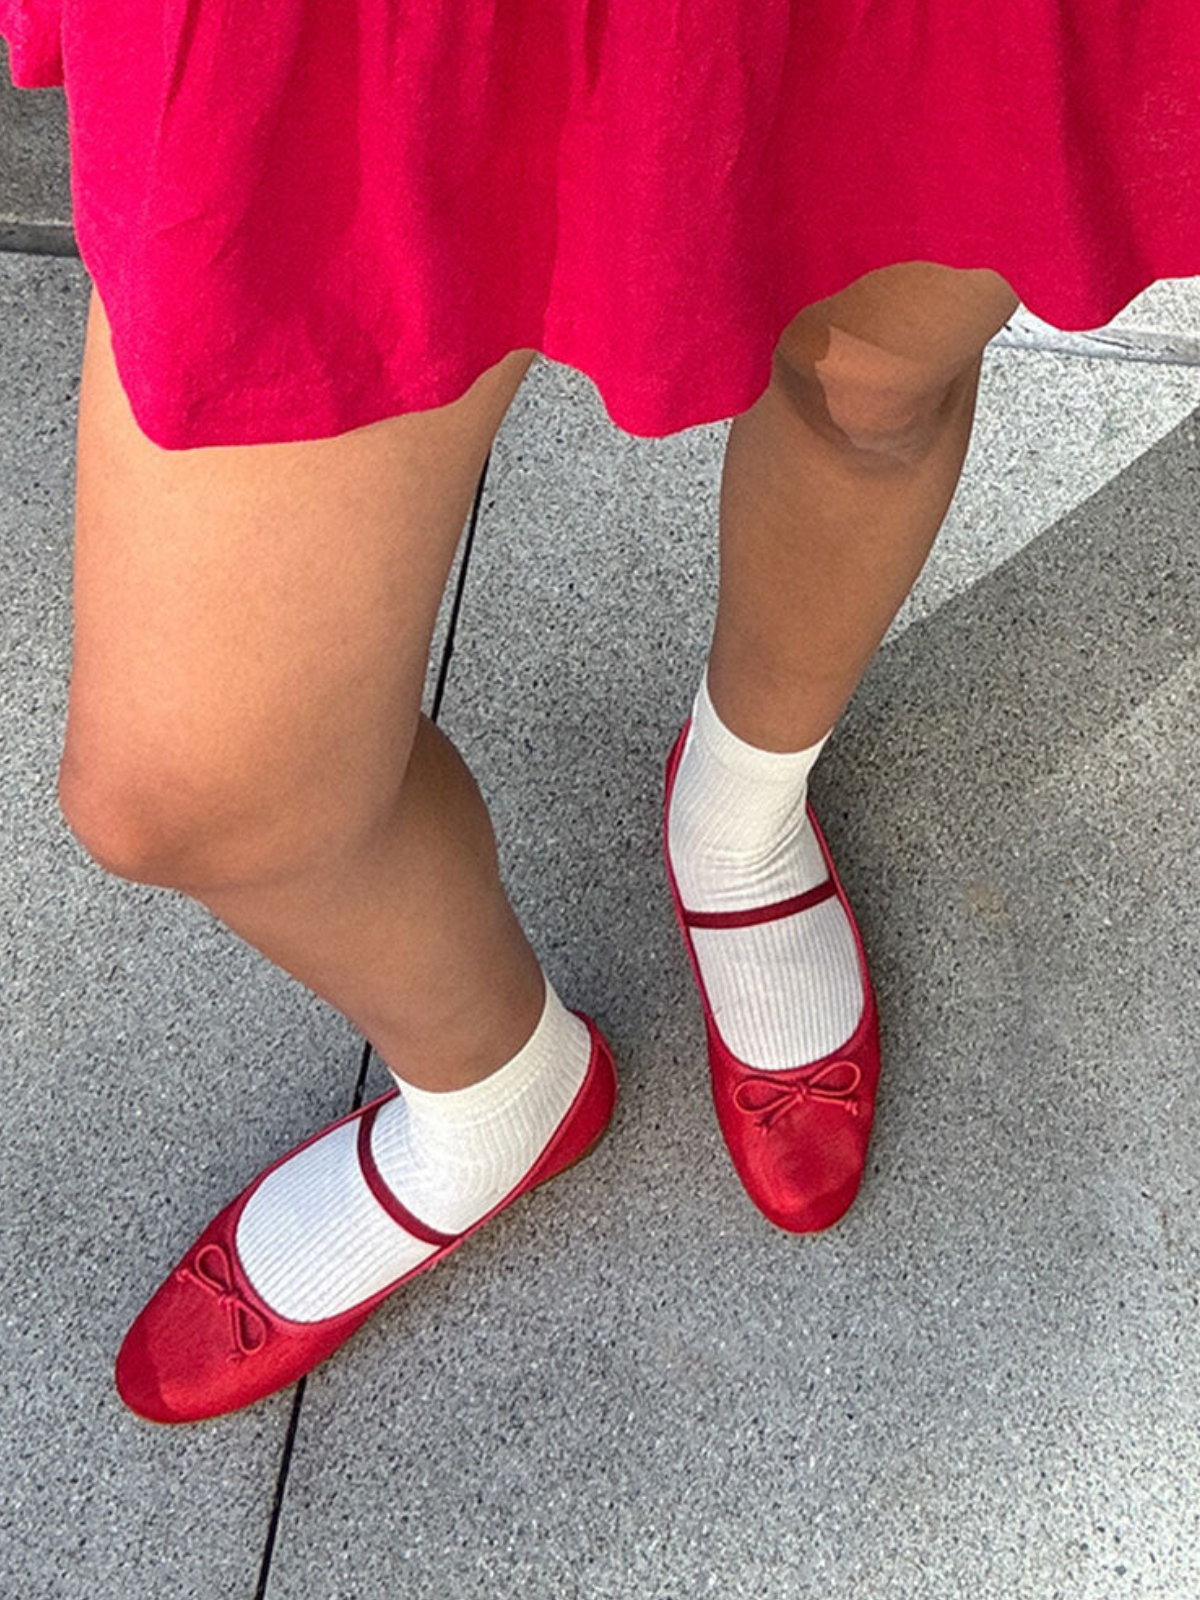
[281, 1481]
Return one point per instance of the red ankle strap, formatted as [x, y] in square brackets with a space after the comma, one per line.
[385, 1197]
[767, 913]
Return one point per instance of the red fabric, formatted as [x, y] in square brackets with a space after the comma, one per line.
[799, 1136]
[302, 218]
[34, 34]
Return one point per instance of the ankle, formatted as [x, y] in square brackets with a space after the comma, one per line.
[559, 1041]
[457, 1045]
[768, 705]
[738, 828]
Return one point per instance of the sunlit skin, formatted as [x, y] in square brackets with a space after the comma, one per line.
[252, 626]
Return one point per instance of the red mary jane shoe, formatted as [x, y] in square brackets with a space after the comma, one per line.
[798, 1137]
[206, 1343]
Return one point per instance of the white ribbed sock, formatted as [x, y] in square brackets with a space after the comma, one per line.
[784, 992]
[313, 1239]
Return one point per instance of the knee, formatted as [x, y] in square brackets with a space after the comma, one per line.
[171, 827]
[200, 824]
[882, 409]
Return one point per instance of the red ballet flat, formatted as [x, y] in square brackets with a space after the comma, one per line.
[206, 1343]
[799, 1136]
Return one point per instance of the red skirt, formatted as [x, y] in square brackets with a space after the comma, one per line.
[305, 217]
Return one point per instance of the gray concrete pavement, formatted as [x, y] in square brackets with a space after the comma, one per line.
[644, 1390]
[35, 169]
[981, 1383]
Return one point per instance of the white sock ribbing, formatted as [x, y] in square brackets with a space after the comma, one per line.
[784, 992]
[313, 1239]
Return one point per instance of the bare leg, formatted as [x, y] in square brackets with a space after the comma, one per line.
[834, 487]
[252, 626]
[835, 484]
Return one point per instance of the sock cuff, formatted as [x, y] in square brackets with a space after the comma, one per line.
[552, 1039]
[767, 766]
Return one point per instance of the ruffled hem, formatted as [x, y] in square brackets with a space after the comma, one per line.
[293, 411]
[33, 31]
[305, 219]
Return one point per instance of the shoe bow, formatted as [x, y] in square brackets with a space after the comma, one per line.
[767, 1099]
[211, 1269]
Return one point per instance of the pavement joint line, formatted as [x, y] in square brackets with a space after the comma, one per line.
[1162, 346]
[289, 1443]
[281, 1479]
[459, 591]
[36, 236]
